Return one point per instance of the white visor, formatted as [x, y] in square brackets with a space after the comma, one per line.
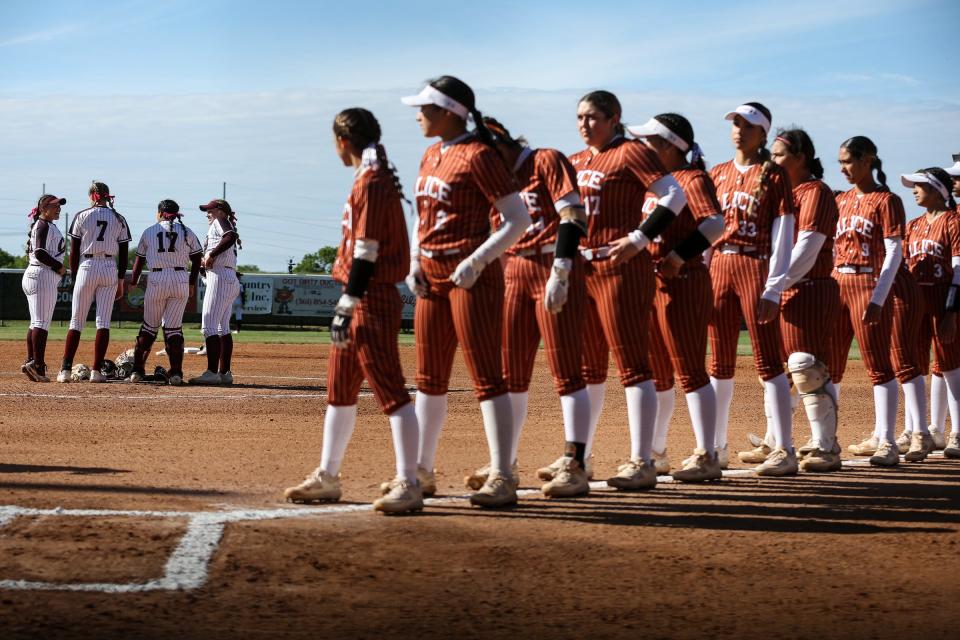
[654, 127]
[751, 114]
[955, 169]
[911, 179]
[429, 95]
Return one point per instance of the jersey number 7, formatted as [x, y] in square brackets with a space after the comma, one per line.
[101, 229]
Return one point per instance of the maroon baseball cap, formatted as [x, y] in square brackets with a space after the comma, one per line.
[223, 205]
[45, 199]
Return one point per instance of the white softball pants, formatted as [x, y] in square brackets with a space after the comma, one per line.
[166, 299]
[96, 278]
[40, 286]
[222, 288]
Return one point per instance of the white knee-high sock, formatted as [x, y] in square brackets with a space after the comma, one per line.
[723, 389]
[519, 403]
[702, 403]
[498, 425]
[338, 426]
[431, 413]
[885, 399]
[938, 403]
[665, 405]
[576, 416]
[952, 381]
[915, 404]
[406, 441]
[778, 391]
[596, 393]
[642, 416]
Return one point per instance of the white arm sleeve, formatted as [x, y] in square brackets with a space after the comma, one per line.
[781, 242]
[893, 254]
[712, 227]
[671, 195]
[955, 263]
[415, 241]
[516, 219]
[802, 257]
[571, 199]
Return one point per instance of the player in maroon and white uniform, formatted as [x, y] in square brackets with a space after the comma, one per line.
[750, 259]
[932, 246]
[456, 273]
[45, 249]
[867, 255]
[678, 336]
[373, 257]
[614, 174]
[545, 294]
[809, 299]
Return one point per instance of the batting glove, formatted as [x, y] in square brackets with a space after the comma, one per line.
[415, 280]
[555, 295]
[467, 272]
[342, 315]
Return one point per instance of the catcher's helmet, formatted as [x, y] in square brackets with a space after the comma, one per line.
[108, 369]
[80, 372]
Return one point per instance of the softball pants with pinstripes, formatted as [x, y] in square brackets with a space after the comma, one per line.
[525, 320]
[738, 281]
[678, 331]
[222, 288]
[619, 300]
[471, 317]
[873, 339]
[166, 299]
[808, 315]
[908, 310]
[371, 354]
[96, 278]
[40, 286]
[946, 357]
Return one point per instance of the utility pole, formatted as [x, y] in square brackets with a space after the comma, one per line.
[224, 190]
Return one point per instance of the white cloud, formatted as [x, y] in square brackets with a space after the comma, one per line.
[41, 36]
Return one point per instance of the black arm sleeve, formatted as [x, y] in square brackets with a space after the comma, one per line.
[360, 273]
[568, 239]
[74, 256]
[953, 298]
[194, 268]
[656, 222]
[692, 246]
[122, 260]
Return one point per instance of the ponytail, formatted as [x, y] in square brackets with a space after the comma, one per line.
[481, 129]
[361, 129]
[382, 159]
[797, 141]
[232, 217]
[877, 165]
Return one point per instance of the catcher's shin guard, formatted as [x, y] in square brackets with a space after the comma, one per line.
[173, 339]
[811, 377]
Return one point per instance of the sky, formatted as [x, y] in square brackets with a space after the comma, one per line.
[174, 99]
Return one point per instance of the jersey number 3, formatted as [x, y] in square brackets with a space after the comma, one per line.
[171, 236]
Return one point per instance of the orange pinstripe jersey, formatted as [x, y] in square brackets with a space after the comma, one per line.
[454, 191]
[929, 246]
[612, 185]
[864, 221]
[735, 192]
[817, 211]
[374, 212]
[701, 203]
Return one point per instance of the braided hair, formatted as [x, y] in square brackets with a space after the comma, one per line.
[462, 93]
[860, 146]
[796, 140]
[682, 128]
[232, 217]
[361, 129]
[607, 104]
[170, 211]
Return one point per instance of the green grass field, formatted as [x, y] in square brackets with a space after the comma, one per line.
[15, 330]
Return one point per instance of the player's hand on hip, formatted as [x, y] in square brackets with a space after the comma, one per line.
[62, 271]
[872, 314]
[558, 285]
[207, 262]
[766, 311]
[467, 273]
[415, 280]
[342, 317]
[947, 327]
[622, 250]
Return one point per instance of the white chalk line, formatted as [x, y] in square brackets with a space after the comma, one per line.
[188, 566]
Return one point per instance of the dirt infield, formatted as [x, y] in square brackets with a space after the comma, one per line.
[143, 511]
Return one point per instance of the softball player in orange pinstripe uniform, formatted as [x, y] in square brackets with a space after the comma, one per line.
[456, 273]
[45, 249]
[809, 303]
[867, 254]
[614, 174]
[373, 256]
[752, 257]
[678, 336]
[932, 246]
[938, 388]
[545, 294]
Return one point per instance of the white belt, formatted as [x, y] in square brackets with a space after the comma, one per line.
[596, 254]
[545, 250]
[433, 254]
[727, 247]
[854, 268]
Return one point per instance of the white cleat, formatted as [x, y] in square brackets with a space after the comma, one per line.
[64, 376]
[401, 497]
[97, 376]
[206, 378]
